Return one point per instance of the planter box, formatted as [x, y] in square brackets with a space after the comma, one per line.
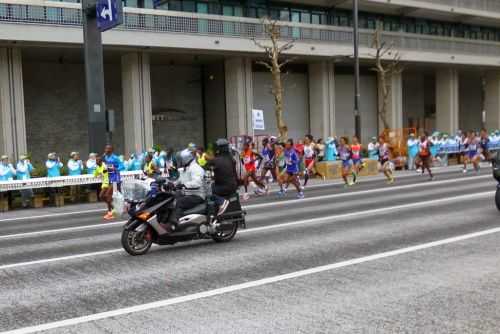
[371, 168]
[38, 201]
[59, 200]
[92, 197]
[4, 204]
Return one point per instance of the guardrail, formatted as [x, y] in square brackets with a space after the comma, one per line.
[61, 181]
[139, 19]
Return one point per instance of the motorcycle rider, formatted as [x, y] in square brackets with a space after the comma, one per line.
[191, 179]
[225, 176]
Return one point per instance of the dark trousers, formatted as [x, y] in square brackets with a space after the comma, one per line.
[184, 203]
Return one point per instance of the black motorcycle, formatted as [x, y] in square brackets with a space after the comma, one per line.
[153, 221]
[496, 175]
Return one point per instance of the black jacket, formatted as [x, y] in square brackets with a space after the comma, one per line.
[225, 177]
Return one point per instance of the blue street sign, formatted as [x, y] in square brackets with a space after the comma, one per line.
[109, 14]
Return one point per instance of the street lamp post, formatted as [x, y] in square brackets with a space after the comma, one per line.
[357, 117]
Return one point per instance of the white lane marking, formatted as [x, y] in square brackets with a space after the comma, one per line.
[57, 259]
[322, 185]
[248, 285]
[364, 192]
[60, 214]
[252, 206]
[59, 230]
[327, 219]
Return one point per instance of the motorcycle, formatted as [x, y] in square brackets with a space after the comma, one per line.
[496, 175]
[153, 221]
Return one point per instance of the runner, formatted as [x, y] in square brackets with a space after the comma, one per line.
[425, 156]
[106, 192]
[484, 143]
[310, 154]
[472, 152]
[385, 160]
[357, 162]
[280, 165]
[268, 159]
[345, 157]
[249, 159]
[291, 174]
[373, 148]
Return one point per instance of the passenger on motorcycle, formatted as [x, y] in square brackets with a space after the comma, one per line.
[191, 180]
[225, 176]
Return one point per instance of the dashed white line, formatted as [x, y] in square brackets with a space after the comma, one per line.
[327, 219]
[253, 206]
[247, 285]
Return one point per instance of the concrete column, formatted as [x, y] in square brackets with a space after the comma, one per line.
[395, 106]
[447, 100]
[12, 117]
[137, 110]
[322, 99]
[239, 96]
[492, 100]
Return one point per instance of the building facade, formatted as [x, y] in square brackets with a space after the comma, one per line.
[188, 72]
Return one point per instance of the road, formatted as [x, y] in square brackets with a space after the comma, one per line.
[413, 257]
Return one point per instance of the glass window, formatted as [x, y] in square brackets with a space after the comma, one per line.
[262, 12]
[202, 7]
[188, 6]
[316, 19]
[175, 5]
[295, 16]
[227, 10]
[238, 11]
[285, 15]
[149, 4]
[130, 3]
[305, 17]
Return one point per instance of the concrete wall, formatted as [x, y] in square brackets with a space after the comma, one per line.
[413, 98]
[177, 98]
[215, 102]
[296, 106]
[56, 113]
[344, 106]
[470, 95]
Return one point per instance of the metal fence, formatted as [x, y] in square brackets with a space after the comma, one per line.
[486, 5]
[64, 14]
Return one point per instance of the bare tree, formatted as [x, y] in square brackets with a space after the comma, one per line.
[387, 64]
[274, 62]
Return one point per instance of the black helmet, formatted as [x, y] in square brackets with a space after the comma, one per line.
[222, 146]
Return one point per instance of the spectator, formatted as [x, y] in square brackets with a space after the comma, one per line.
[330, 149]
[373, 149]
[7, 171]
[23, 172]
[53, 165]
[320, 147]
[412, 151]
[75, 165]
[91, 163]
[135, 162]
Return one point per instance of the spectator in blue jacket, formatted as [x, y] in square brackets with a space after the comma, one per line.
[7, 171]
[53, 165]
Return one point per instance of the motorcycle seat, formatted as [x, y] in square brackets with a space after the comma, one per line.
[200, 209]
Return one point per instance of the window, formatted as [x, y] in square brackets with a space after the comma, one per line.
[305, 17]
[316, 19]
[285, 15]
[202, 7]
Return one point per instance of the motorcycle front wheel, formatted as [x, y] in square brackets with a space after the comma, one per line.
[497, 198]
[136, 243]
[226, 234]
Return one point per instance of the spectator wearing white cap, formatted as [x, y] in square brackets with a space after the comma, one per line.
[91, 163]
[24, 168]
[75, 165]
[7, 171]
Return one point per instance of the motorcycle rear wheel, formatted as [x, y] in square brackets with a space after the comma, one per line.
[135, 243]
[226, 235]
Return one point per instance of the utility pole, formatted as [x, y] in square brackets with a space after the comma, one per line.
[357, 117]
[98, 16]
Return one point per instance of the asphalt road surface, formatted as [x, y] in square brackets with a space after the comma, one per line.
[413, 257]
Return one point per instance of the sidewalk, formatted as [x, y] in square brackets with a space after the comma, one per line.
[313, 183]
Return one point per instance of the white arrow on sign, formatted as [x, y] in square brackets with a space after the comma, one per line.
[107, 12]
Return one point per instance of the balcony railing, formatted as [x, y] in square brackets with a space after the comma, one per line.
[484, 5]
[135, 19]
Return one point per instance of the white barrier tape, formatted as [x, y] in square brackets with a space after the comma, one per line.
[61, 181]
